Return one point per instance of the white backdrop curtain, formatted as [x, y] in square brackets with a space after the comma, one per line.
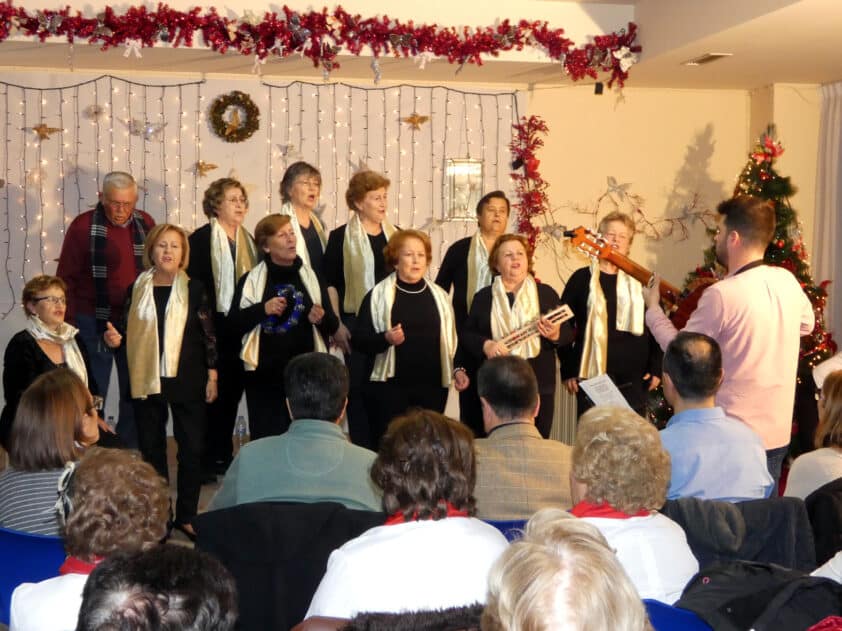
[827, 258]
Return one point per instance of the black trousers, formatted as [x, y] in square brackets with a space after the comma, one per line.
[267, 406]
[222, 413]
[388, 399]
[189, 428]
[470, 410]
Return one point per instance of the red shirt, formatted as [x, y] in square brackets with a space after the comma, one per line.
[74, 265]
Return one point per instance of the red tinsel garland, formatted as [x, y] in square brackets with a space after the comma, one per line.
[321, 35]
[530, 187]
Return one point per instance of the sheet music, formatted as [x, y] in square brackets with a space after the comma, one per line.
[602, 391]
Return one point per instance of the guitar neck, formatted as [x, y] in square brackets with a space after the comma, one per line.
[669, 293]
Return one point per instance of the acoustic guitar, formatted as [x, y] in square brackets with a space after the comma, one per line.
[594, 245]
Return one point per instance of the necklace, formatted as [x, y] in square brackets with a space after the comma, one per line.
[408, 291]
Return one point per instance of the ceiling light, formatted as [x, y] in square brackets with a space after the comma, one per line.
[706, 59]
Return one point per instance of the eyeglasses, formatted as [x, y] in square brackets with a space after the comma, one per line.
[236, 200]
[114, 204]
[53, 300]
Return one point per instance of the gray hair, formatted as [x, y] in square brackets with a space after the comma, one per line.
[118, 179]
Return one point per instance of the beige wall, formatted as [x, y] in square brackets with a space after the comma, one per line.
[670, 146]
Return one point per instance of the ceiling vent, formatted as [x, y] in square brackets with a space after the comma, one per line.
[707, 58]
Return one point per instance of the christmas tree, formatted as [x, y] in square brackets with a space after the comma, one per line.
[759, 178]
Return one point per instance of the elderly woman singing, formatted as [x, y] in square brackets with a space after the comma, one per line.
[281, 311]
[514, 299]
[406, 325]
[300, 189]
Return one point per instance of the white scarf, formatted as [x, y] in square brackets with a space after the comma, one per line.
[382, 300]
[301, 250]
[479, 274]
[64, 336]
[505, 319]
[145, 368]
[630, 318]
[253, 290]
[226, 271]
[358, 261]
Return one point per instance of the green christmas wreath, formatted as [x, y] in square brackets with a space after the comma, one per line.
[234, 129]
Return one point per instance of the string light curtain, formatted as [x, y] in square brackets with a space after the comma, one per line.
[158, 131]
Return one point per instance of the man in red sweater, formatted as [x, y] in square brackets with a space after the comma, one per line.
[100, 257]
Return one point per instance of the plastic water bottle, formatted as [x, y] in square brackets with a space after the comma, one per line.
[240, 430]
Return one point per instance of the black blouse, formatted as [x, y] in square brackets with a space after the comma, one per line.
[333, 266]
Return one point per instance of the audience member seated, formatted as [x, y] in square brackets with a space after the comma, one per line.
[168, 587]
[714, 456]
[518, 471]
[832, 569]
[561, 575]
[55, 421]
[813, 470]
[313, 461]
[431, 553]
[618, 482]
[111, 502]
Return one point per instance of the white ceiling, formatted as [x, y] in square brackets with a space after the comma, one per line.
[772, 41]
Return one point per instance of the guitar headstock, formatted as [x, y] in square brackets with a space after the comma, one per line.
[591, 243]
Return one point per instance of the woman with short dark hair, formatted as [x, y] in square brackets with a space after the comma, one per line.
[300, 190]
[221, 252]
[56, 421]
[280, 310]
[426, 469]
[111, 502]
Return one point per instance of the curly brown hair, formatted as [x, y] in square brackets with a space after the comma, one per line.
[362, 183]
[619, 456]
[392, 251]
[505, 238]
[426, 460]
[36, 285]
[120, 504]
[215, 195]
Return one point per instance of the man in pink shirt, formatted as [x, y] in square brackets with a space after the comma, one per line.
[757, 314]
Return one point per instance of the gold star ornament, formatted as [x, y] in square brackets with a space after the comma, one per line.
[416, 120]
[233, 125]
[203, 168]
[44, 132]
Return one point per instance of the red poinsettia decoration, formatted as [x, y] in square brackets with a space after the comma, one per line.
[768, 150]
[529, 185]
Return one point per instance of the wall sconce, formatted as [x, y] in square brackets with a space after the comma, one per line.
[462, 188]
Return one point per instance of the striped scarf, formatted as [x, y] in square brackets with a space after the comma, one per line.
[99, 266]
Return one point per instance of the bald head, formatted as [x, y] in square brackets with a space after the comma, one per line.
[693, 363]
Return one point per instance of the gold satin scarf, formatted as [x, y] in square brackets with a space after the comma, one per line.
[301, 249]
[358, 261]
[479, 274]
[505, 319]
[630, 318]
[253, 290]
[226, 272]
[142, 343]
[382, 300]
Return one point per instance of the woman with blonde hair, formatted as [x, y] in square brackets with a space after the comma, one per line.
[618, 481]
[46, 343]
[405, 325]
[814, 469]
[561, 575]
[56, 421]
[171, 350]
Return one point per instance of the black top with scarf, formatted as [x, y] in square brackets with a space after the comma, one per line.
[477, 330]
[454, 273]
[276, 349]
[418, 359]
[333, 265]
[198, 346]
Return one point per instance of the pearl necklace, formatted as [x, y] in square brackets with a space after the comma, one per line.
[417, 291]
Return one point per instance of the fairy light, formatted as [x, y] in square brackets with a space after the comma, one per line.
[6, 195]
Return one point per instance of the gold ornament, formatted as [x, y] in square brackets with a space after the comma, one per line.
[416, 120]
[44, 132]
[233, 124]
[203, 168]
